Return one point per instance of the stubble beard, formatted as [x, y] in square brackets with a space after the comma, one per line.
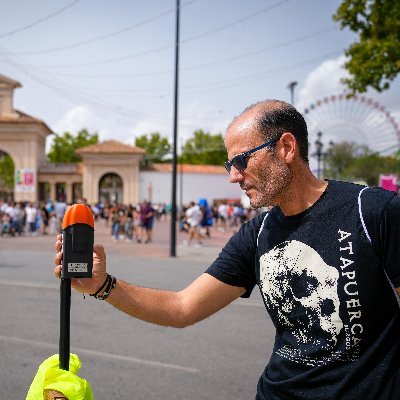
[271, 185]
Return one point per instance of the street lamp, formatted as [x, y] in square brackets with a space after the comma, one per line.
[172, 249]
[291, 87]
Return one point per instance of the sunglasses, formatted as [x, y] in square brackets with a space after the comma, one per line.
[240, 161]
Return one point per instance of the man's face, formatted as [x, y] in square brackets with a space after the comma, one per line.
[266, 176]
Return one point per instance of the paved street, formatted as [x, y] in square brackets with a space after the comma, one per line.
[123, 358]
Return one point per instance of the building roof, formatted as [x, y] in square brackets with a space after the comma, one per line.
[8, 81]
[21, 118]
[111, 147]
[60, 168]
[186, 168]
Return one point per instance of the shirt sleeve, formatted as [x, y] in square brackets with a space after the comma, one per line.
[235, 264]
[390, 240]
[382, 217]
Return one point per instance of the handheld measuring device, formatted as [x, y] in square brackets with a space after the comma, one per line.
[77, 262]
[78, 237]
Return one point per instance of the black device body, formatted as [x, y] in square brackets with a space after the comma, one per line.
[77, 250]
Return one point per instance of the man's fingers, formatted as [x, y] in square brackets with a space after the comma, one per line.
[58, 245]
[58, 258]
[57, 271]
[98, 249]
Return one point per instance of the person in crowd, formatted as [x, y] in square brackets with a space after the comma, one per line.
[147, 213]
[128, 229]
[206, 220]
[105, 213]
[162, 212]
[59, 209]
[31, 215]
[325, 257]
[16, 215]
[222, 216]
[44, 213]
[116, 216]
[53, 223]
[194, 216]
[6, 228]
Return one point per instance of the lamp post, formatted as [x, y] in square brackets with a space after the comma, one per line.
[319, 146]
[172, 251]
[291, 87]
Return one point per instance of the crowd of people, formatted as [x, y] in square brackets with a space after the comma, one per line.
[131, 223]
[197, 218]
[31, 218]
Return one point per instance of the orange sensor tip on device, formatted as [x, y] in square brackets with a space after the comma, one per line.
[78, 214]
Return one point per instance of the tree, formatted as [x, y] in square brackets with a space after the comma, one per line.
[6, 173]
[64, 146]
[340, 156]
[350, 161]
[374, 60]
[158, 148]
[204, 148]
[370, 166]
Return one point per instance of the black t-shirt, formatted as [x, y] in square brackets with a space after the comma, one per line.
[326, 277]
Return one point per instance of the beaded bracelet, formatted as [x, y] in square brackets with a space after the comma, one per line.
[101, 287]
[110, 283]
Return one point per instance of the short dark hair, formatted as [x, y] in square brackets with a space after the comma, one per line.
[277, 117]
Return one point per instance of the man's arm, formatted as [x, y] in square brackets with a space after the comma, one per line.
[398, 291]
[202, 298]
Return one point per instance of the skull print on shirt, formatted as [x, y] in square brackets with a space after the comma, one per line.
[301, 290]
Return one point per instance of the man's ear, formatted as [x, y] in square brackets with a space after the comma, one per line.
[287, 147]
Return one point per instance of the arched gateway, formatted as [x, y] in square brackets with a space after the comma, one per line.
[23, 138]
[115, 168]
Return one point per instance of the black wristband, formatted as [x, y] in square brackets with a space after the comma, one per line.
[110, 283]
[101, 287]
[110, 286]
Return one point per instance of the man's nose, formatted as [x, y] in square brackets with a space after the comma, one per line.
[235, 175]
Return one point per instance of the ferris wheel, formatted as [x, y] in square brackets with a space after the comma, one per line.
[357, 119]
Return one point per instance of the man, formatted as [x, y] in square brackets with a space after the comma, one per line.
[59, 209]
[146, 221]
[194, 216]
[31, 215]
[325, 258]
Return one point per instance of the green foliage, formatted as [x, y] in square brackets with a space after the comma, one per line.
[64, 146]
[350, 162]
[340, 156]
[6, 173]
[374, 60]
[158, 148]
[204, 148]
[369, 167]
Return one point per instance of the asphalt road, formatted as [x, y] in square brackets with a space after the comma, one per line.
[220, 358]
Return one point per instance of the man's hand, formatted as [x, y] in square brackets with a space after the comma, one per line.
[99, 274]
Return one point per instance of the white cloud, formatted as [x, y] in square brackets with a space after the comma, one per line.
[73, 121]
[145, 127]
[196, 116]
[192, 116]
[323, 81]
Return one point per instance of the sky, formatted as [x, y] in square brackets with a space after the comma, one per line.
[108, 66]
